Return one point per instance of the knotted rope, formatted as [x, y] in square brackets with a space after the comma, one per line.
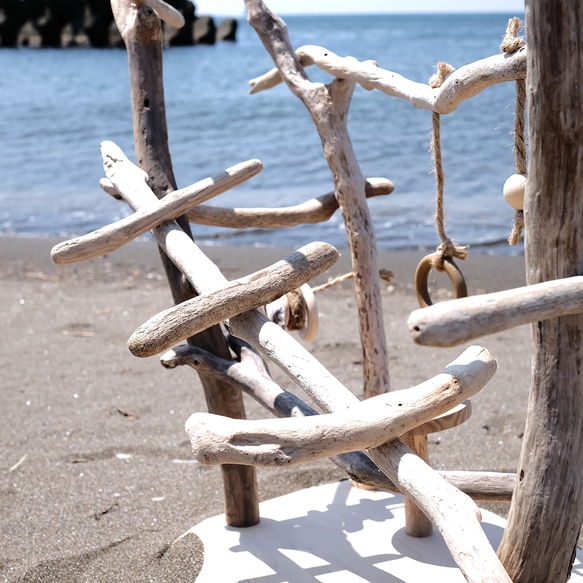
[447, 248]
[510, 44]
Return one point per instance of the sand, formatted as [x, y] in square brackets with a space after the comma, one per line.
[97, 478]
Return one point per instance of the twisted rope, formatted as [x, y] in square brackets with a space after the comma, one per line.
[384, 274]
[447, 248]
[510, 44]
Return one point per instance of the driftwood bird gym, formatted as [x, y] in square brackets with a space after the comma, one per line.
[227, 330]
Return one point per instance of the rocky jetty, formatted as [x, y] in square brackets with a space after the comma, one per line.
[89, 23]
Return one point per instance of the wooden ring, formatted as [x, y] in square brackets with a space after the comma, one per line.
[310, 330]
[460, 289]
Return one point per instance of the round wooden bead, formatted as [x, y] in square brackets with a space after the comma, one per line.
[514, 191]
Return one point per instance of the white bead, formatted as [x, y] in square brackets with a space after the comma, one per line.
[514, 191]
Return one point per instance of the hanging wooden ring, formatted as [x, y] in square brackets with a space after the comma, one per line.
[460, 289]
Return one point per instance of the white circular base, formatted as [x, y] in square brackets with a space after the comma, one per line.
[333, 534]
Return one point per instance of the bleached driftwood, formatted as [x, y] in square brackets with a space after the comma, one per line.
[328, 106]
[453, 513]
[172, 206]
[262, 287]
[457, 321]
[480, 486]
[545, 518]
[374, 421]
[462, 84]
[315, 210]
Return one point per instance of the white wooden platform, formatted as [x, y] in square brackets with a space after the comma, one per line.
[332, 534]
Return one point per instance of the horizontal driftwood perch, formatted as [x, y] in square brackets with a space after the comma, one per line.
[480, 486]
[262, 287]
[457, 321]
[218, 440]
[172, 206]
[462, 84]
[315, 210]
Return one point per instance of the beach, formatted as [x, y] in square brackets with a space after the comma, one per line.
[97, 477]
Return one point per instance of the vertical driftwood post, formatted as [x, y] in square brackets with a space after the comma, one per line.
[141, 31]
[328, 106]
[547, 509]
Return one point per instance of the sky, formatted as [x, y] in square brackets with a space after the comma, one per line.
[235, 8]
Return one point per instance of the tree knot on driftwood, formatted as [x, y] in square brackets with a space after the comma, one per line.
[511, 41]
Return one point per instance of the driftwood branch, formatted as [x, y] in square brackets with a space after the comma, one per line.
[462, 84]
[142, 33]
[383, 418]
[262, 287]
[480, 486]
[453, 513]
[457, 321]
[328, 106]
[544, 522]
[315, 210]
[172, 206]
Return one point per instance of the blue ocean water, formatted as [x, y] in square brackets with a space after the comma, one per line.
[56, 106]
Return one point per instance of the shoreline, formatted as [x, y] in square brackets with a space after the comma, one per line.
[97, 478]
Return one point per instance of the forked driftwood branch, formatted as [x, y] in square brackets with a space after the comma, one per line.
[372, 422]
[464, 83]
[457, 321]
[328, 106]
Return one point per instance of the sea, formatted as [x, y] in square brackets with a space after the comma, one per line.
[56, 106]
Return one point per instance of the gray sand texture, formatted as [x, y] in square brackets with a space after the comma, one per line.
[97, 479]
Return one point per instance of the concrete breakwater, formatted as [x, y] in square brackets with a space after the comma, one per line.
[89, 23]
